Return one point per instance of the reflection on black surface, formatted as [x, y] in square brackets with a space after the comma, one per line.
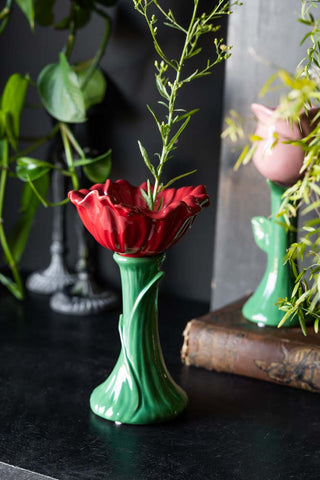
[11, 309]
[122, 444]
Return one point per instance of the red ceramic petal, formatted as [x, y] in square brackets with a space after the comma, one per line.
[117, 216]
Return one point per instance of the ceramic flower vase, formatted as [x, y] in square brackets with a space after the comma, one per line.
[280, 162]
[278, 279]
[275, 158]
[140, 389]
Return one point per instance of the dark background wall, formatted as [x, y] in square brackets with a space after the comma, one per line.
[129, 67]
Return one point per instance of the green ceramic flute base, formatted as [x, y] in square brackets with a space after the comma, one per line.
[140, 389]
[278, 280]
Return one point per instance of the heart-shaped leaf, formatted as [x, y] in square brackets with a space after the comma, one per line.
[89, 4]
[60, 92]
[95, 89]
[2, 125]
[19, 235]
[13, 99]
[28, 9]
[43, 11]
[107, 3]
[9, 129]
[80, 17]
[4, 153]
[98, 169]
[64, 24]
[31, 169]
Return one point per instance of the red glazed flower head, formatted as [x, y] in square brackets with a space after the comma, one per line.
[116, 214]
[281, 162]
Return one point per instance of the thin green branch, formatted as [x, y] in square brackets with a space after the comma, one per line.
[5, 15]
[172, 126]
[72, 30]
[40, 141]
[68, 154]
[44, 202]
[73, 141]
[16, 289]
[100, 52]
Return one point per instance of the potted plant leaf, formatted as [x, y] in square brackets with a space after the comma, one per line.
[67, 92]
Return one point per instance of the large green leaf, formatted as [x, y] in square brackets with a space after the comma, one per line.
[19, 235]
[13, 99]
[43, 11]
[28, 9]
[31, 169]
[80, 17]
[60, 92]
[95, 89]
[64, 24]
[7, 120]
[89, 4]
[2, 124]
[4, 153]
[98, 169]
[107, 3]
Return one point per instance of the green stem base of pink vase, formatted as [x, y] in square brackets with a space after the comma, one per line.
[278, 280]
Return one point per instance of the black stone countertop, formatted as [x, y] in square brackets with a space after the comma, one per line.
[234, 428]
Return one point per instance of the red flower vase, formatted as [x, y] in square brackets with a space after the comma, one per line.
[140, 389]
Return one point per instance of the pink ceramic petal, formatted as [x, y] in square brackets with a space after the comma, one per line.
[282, 162]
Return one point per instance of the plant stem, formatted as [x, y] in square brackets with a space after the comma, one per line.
[5, 15]
[35, 145]
[74, 142]
[44, 202]
[66, 134]
[100, 52]
[174, 122]
[18, 292]
[72, 31]
[69, 157]
[172, 99]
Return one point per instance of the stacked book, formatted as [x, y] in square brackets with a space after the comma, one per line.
[225, 341]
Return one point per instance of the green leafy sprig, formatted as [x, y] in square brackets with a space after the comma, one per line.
[299, 91]
[170, 79]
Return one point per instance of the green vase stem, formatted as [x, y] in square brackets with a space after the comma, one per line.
[140, 389]
[278, 280]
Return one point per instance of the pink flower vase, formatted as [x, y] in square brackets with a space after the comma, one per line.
[280, 163]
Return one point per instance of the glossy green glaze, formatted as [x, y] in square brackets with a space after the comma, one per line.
[278, 280]
[139, 390]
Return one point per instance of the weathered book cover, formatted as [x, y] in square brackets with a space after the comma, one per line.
[226, 342]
